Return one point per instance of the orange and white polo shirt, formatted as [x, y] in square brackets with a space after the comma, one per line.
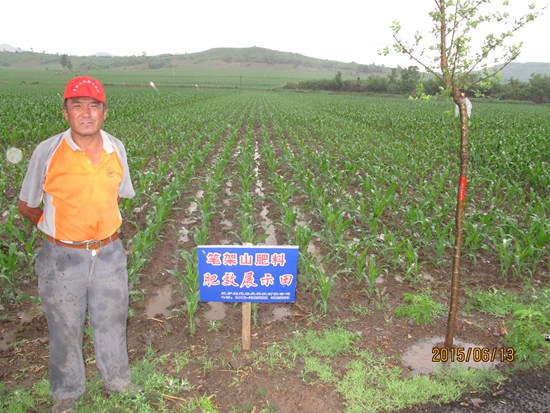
[80, 200]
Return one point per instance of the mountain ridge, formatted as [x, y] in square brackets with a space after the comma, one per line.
[15, 57]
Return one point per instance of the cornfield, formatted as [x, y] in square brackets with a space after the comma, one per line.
[363, 185]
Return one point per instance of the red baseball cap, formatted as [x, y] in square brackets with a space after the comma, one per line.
[85, 86]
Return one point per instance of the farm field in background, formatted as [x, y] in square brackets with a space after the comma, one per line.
[186, 74]
[365, 186]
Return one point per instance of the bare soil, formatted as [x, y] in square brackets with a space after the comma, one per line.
[158, 321]
[24, 336]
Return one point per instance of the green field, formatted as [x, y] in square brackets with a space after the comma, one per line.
[228, 68]
[366, 186]
[258, 76]
[372, 167]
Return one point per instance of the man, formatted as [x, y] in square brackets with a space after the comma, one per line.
[71, 191]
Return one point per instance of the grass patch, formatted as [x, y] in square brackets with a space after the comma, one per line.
[274, 356]
[367, 382]
[529, 319]
[327, 343]
[161, 393]
[316, 369]
[24, 400]
[419, 307]
[369, 386]
[525, 337]
[146, 372]
[495, 302]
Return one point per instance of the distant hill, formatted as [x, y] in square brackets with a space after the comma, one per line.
[7, 48]
[227, 57]
[216, 56]
[523, 71]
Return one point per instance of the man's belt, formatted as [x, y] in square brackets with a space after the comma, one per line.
[84, 245]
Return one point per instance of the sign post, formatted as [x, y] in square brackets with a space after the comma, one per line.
[246, 328]
[247, 274]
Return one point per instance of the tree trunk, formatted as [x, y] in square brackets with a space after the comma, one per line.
[461, 196]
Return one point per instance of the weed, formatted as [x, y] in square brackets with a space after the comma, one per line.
[317, 367]
[495, 302]
[181, 360]
[214, 326]
[208, 363]
[360, 310]
[274, 356]
[137, 295]
[261, 391]
[370, 386]
[525, 337]
[421, 308]
[18, 401]
[327, 343]
[157, 386]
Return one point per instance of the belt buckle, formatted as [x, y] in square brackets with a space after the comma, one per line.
[93, 245]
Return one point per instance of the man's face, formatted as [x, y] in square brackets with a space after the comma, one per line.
[85, 116]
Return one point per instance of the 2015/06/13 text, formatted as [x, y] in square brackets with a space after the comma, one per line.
[475, 354]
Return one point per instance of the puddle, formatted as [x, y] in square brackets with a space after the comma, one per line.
[259, 190]
[192, 208]
[268, 227]
[419, 356]
[311, 247]
[227, 224]
[159, 303]
[280, 313]
[29, 315]
[7, 338]
[426, 277]
[228, 187]
[313, 250]
[183, 235]
[259, 186]
[188, 221]
[216, 312]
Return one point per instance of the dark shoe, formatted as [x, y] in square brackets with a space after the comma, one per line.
[64, 406]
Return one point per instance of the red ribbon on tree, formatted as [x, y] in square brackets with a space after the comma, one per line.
[462, 188]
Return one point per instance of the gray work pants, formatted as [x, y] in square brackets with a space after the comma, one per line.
[69, 282]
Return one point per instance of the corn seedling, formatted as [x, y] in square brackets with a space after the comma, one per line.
[189, 279]
[352, 168]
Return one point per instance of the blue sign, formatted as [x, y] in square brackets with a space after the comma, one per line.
[235, 273]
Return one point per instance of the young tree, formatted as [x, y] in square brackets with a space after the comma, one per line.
[66, 62]
[467, 37]
[410, 77]
[539, 88]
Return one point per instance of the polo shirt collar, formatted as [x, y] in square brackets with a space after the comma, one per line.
[107, 144]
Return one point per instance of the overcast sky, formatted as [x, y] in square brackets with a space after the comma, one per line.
[343, 30]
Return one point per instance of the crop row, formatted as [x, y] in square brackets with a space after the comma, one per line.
[363, 185]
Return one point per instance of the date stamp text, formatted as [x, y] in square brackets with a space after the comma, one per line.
[474, 354]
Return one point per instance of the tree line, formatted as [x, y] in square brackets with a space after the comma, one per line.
[411, 82]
